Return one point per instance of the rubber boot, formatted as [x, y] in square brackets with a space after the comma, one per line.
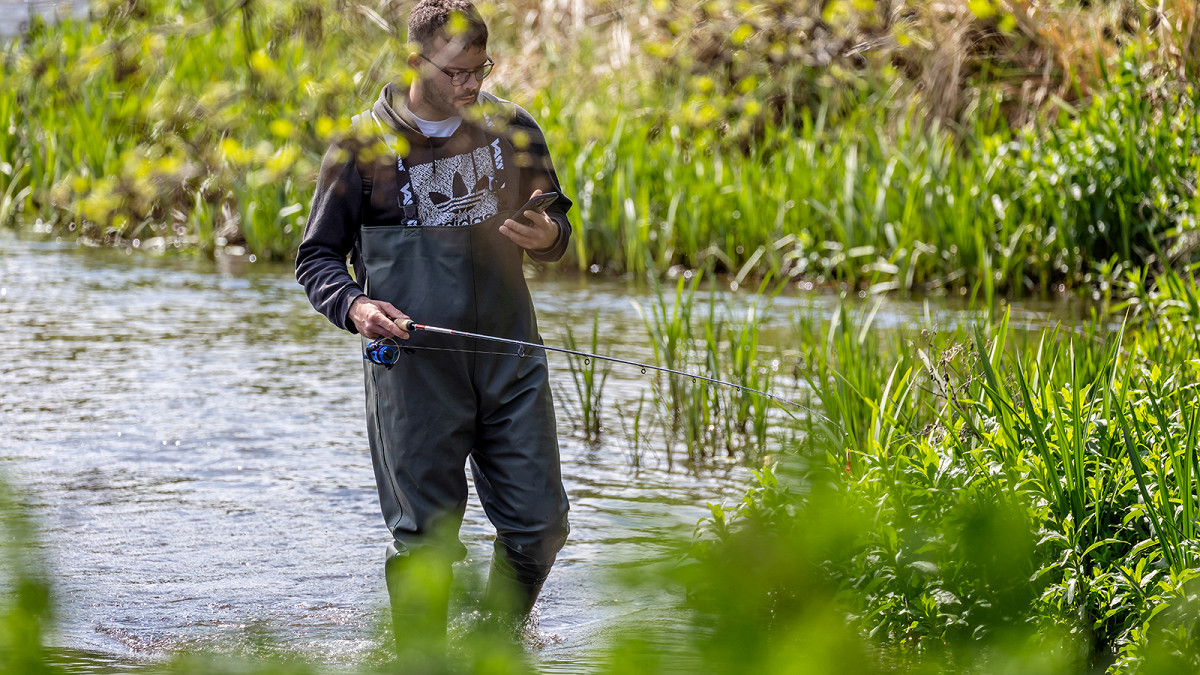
[418, 584]
[514, 583]
[508, 592]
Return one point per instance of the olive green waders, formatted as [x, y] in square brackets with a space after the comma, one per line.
[449, 401]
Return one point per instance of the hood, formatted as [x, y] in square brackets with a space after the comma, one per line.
[400, 121]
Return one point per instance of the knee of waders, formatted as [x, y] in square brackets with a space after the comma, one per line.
[528, 556]
[520, 565]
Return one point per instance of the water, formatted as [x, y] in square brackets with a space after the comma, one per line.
[193, 446]
[192, 443]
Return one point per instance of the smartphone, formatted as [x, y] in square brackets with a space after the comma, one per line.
[538, 203]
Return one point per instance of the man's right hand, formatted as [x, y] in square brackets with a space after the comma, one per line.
[376, 319]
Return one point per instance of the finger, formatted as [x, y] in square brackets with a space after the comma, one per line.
[389, 321]
[515, 233]
[538, 234]
[394, 326]
[512, 227]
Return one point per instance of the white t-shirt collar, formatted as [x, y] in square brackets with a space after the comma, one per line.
[440, 129]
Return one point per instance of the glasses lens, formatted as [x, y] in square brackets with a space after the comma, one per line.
[460, 77]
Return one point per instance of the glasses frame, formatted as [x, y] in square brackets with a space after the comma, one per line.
[459, 77]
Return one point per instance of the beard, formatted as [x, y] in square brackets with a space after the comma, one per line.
[451, 102]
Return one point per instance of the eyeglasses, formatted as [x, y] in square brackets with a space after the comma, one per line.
[459, 77]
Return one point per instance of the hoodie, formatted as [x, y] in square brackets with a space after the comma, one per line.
[486, 169]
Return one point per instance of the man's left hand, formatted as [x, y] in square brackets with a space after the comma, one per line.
[540, 234]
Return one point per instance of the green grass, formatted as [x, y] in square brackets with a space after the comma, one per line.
[589, 376]
[890, 207]
[1006, 491]
[25, 610]
[128, 133]
[1000, 501]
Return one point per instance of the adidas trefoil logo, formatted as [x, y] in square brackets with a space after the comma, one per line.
[461, 200]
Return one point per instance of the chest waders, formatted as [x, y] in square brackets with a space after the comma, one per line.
[436, 409]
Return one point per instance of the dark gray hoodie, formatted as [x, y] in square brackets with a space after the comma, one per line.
[486, 169]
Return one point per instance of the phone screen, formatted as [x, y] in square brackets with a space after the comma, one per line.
[538, 203]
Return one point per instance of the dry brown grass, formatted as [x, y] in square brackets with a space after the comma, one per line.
[951, 57]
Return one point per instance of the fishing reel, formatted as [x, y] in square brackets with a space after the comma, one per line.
[383, 351]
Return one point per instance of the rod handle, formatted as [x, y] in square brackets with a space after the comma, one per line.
[408, 325]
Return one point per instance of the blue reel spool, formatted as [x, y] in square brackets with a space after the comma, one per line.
[382, 353]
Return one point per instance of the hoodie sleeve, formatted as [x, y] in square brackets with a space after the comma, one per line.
[537, 172]
[330, 236]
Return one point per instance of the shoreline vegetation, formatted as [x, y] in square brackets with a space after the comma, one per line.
[983, 147]
[980, 499]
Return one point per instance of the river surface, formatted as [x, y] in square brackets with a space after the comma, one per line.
[190, 438]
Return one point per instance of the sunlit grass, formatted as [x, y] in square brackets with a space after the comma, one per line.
[137, 129]
[1011, 487]
[999, 502]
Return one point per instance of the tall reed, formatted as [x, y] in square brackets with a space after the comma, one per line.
[128, 134]
[589, 377]
[1074, 447]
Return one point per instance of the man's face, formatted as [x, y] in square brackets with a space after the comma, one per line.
[437, 90]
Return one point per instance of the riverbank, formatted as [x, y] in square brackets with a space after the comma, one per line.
[685, 139]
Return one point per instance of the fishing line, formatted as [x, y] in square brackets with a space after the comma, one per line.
[386, 355]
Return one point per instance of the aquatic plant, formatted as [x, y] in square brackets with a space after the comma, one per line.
[711, 418]
[669, 326]
[1074, 448]
[634, 429]
[589, 377]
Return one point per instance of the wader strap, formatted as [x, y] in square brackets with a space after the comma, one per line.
[406, 200]
[367, 178]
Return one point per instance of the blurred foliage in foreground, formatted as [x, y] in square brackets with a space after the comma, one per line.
[976, 146]
[25, 602]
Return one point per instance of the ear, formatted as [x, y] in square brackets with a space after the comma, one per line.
[414, 60]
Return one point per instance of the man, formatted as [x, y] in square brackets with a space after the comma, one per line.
[431, 228]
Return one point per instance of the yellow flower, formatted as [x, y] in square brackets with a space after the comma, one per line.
[282, 128]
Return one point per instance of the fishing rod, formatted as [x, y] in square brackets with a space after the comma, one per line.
[386, 355]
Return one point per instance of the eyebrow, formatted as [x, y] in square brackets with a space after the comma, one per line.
[470, 70]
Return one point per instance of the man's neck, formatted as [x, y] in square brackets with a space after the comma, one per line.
[420, 109]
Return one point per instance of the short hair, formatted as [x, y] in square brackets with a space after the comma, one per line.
[430, 17]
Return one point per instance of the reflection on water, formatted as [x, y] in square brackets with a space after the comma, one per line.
[193, 446]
